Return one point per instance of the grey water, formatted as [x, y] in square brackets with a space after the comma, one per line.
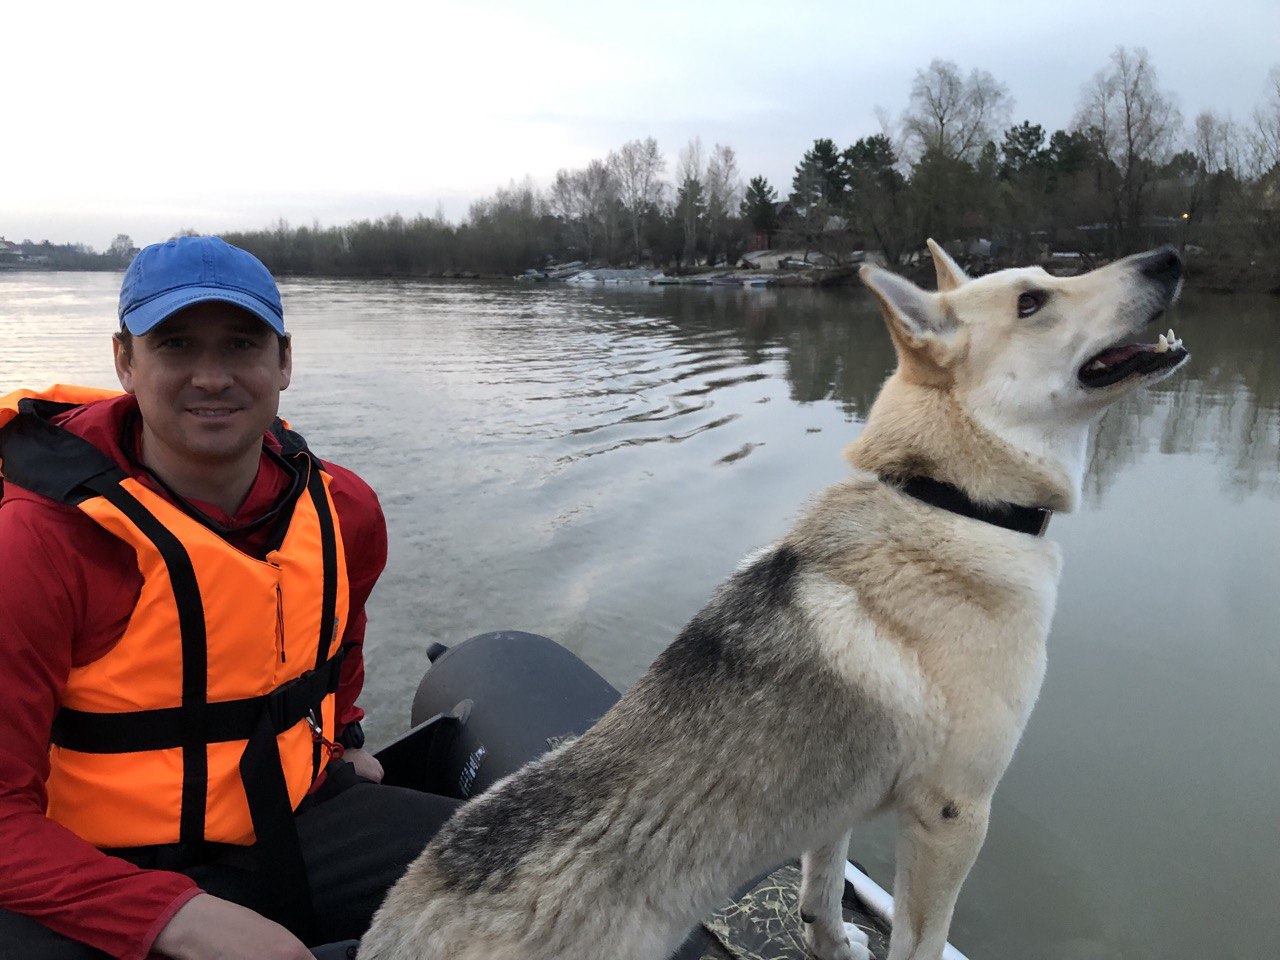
[590, 463]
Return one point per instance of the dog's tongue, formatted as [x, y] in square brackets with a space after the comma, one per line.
[1109, 358]
[1116, 363]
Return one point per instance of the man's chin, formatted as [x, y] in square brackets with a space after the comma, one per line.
[217, 444]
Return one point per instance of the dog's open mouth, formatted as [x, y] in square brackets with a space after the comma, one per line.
[1132, 360]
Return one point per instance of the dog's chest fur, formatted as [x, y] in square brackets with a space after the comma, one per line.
[940, 618]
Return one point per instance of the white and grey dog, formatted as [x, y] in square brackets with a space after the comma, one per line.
[884, 654]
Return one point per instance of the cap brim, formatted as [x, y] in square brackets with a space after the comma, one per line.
[144, 318]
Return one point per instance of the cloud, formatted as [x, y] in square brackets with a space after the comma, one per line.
[154, 116]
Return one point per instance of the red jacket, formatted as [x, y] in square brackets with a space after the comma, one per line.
[67, 590]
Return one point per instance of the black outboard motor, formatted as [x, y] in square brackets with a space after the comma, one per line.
[491, 704]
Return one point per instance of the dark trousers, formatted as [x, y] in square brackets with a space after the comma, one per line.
[357, 839]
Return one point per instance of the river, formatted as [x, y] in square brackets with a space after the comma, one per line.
[590, 463]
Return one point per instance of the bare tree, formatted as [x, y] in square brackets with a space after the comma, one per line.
[600, 190]
[586, 200]
[1215, 141]
[122, 250]
[1204, 175]
[504, 232]
[724, 193]
[691, 182]
[637, 169]
[1264, 138]
[566, 199]
[951, 116]
[1133, 125]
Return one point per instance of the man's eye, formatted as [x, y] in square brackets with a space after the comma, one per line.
[1030, 302]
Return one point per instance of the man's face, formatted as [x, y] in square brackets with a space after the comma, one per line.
[208, 382]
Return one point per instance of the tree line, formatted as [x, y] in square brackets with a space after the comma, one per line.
[1128, 172]
[617, 210]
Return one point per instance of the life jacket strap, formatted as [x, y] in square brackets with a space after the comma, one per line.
[278, 848]
[164, 728]
[50, 461]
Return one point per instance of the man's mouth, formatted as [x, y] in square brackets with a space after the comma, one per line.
[1132, 360]
[211, 413]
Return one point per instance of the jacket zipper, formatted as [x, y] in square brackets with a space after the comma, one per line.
[280, 620]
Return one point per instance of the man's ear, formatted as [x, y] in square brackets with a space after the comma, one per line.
[914, 315]
[123, 357]
[286, 362]
[949, 273]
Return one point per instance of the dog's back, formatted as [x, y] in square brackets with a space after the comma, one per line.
[619, 842]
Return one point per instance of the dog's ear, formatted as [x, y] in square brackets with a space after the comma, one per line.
[914, 315]
[950, 275]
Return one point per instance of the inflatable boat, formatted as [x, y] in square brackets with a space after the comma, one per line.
[495, 701]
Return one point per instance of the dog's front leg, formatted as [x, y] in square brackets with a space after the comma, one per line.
[826, 935]
[936, 847]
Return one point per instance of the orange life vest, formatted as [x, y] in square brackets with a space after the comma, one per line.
[210, 713]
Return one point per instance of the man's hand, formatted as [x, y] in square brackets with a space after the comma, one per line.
[206, 928]
[366, 764]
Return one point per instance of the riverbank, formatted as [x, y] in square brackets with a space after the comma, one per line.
[1204, 272]
[1218, 275]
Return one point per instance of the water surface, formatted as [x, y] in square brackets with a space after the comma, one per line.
[590, 463]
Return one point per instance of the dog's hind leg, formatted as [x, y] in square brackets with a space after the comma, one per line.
[826, 935]
[936, 848]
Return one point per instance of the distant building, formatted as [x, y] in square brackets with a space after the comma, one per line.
[10, 252]
[784, 218]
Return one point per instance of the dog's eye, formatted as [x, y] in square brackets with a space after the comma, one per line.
[1030, 302]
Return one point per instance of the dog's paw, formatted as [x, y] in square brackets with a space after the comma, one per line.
[856, 934]
[848, 942]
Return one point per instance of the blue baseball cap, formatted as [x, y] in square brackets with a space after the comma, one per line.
[165, 277]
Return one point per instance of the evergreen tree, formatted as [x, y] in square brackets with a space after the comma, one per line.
[691, 211]
[759, 207]
[1069, 152]
[879, 195]
[820, 177]
[1023, 150]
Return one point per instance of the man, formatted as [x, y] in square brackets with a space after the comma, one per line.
[182, 591]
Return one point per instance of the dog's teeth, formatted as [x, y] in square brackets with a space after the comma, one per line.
[1162, 345]
[1097, 365]
[1170, 335]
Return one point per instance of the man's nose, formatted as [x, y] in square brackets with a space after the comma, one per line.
[211, 372]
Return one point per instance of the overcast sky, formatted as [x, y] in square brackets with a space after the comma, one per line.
[148, 118]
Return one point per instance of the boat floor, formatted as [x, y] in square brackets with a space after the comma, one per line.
[764, 923]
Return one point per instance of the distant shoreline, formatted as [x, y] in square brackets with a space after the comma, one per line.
[1209, 274]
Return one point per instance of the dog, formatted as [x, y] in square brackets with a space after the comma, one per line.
[885, 654]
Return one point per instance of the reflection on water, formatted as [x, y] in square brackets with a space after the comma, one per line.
[1224, 407]
[590, 463]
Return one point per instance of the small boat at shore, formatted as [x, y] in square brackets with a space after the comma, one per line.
[634, 275]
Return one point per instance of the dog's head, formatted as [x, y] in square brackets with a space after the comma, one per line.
[1021, 347]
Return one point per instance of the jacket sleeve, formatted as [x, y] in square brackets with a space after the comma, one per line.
[52, 563]
[364, 540]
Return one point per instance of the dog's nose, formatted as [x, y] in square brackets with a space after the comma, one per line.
[1163, 265]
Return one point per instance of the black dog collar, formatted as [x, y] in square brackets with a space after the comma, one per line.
[1031, 520]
